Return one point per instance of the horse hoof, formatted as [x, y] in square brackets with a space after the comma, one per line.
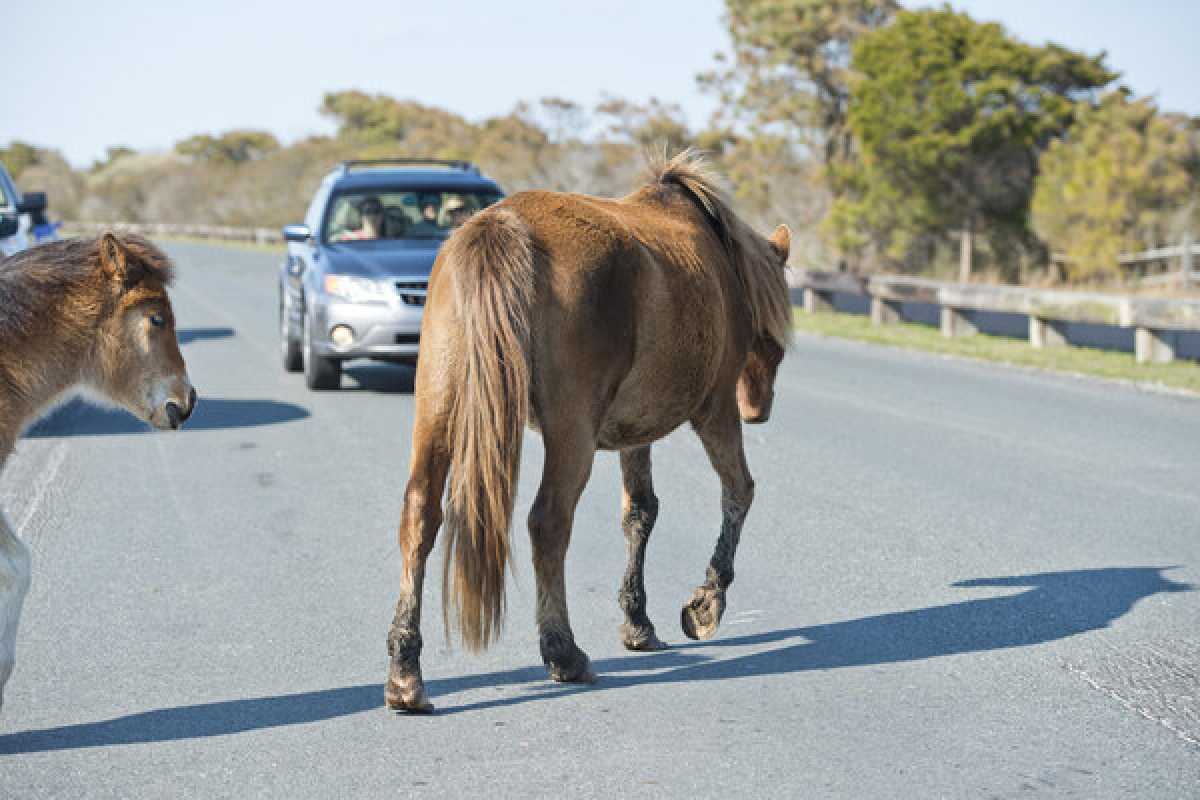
[701, 616]
[577, 674]
[411, 699]
[564, 660]
[642, 640]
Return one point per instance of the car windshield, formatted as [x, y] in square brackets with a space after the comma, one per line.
[369, 215]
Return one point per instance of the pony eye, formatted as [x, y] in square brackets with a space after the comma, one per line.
[157, 320]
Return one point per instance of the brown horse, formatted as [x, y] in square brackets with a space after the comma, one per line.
[81, 312]
[604, 324]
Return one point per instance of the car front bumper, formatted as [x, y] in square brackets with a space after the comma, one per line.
[384, 331]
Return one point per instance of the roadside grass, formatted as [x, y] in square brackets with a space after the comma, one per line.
[1078, 360]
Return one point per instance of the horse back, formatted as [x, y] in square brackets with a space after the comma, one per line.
[633, 326]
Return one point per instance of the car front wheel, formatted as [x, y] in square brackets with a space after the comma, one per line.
[319, 372]
[289, 343]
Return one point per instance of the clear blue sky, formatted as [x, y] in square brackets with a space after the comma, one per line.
[80, 76]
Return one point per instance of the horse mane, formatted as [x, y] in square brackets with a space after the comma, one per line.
[55, 274]
[753, 259]
[71, 260]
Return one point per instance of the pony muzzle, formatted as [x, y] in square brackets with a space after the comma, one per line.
[178, 414]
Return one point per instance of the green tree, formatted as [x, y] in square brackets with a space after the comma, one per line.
[1124, 179]
[654, 124]
[111, 156]
[791, 66]
[19, 156]
[231, 147]
[950, 116]
[384, 125]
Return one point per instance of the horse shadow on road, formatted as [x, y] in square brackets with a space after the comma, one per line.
[1053, 606]
[78, 417]
[188, 335]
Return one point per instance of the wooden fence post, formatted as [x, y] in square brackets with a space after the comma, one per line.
[1185, 277]
[884, 312]
[955, 323]
[1045, 333]
[1154, 347]
[815, 300]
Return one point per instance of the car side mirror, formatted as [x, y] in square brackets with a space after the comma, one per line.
[8, 225]
[32, 203]
[296, 233]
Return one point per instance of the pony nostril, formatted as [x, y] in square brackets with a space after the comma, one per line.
[174, 415]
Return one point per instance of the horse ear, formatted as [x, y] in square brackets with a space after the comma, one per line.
[112, 257]
[781, 241]
[115, 261]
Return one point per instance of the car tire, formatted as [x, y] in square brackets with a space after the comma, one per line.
[319, 372]
[291, 347]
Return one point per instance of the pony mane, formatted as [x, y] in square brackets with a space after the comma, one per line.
[70, 260]
[49, 275]
[753, 258]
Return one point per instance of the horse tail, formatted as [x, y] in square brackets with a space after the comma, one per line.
[491, 263]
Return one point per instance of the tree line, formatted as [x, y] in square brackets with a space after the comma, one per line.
[923, 142]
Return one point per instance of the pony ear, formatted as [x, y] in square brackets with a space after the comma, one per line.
[781, 241]
[115, 261]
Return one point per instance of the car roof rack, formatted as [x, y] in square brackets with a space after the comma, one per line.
[446, 163]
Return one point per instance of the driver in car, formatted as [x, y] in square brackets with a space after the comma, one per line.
[371, 211]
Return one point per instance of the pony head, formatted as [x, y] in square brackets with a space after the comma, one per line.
[138, 363]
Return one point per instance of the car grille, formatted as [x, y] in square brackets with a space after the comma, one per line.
[412, 294]
[408, 338]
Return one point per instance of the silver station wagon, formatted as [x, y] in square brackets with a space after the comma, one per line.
[353, 284]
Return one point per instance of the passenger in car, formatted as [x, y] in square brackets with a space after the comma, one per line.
[371, 211]
[454, 212]
[427, 226]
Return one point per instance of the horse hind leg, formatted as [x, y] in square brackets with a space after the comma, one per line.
[14, 584]
[567, 468]
[419, 523]
[722, 439]
[639, 510]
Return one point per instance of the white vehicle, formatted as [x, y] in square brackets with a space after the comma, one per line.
[14, 225]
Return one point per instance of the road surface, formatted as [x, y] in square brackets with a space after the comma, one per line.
[957, 580]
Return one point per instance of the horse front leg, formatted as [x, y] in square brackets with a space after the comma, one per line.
[721, 435]
[14, 583]
[419, 523]
[639, 510]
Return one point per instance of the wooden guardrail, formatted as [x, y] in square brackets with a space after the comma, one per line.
[224, 233]
[1157, 322]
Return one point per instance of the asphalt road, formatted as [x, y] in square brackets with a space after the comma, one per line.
[958, 580]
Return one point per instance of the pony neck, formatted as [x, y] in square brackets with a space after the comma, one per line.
[40, 360]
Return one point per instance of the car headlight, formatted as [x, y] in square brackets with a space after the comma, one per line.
[357, 290]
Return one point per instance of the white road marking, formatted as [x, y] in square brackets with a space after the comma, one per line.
[42, 483]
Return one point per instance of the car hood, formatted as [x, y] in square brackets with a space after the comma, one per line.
[390, 260]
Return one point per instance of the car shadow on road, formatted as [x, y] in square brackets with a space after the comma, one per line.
[78, 417]
[189, 335]
[381, 378]
[1053, 606]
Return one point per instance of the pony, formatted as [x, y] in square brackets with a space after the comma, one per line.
[602, 324]
[91, 313]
